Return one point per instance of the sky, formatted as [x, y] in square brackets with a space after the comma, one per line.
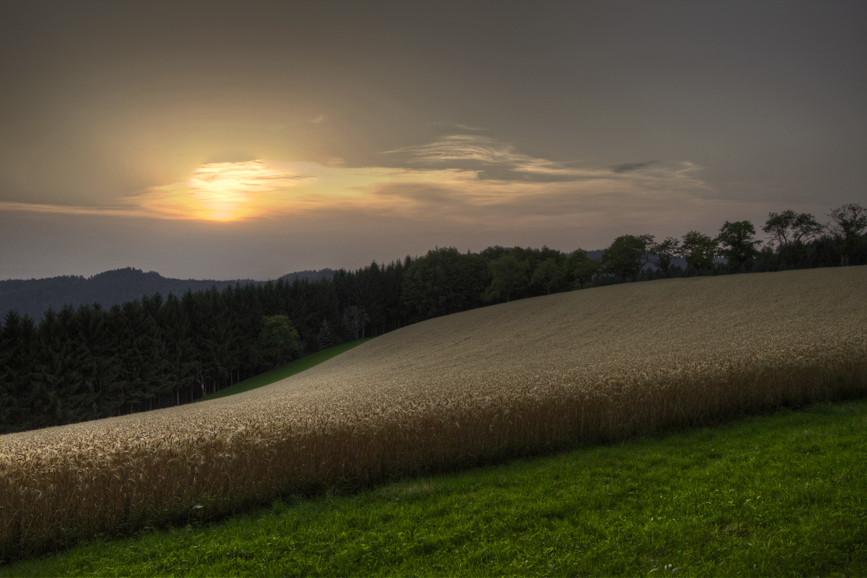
[247, 140]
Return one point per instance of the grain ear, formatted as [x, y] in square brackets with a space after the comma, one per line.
[488, 384]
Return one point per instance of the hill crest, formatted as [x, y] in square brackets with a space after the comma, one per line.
[114, 287]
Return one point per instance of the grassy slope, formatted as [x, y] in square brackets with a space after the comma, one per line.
[566, 340]
[773, 495]
[285, 371]
[579, 337]
[554, 343]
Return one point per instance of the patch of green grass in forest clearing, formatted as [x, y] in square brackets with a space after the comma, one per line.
[781, 494]
[285, 371]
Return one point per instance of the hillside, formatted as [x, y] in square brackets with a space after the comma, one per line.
[33, 296]
[575, 339]
[595, 364]
[586, 339]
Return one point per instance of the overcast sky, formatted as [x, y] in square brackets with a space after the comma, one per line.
[224, 140]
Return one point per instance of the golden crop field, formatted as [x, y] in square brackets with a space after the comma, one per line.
[520, 377]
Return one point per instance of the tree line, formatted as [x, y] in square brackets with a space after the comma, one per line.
[115, 287]
[90, 362]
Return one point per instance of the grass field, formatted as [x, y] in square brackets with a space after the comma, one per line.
[285, 371]
[478, 387]
[781, 494]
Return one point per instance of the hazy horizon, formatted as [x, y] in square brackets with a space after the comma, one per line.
[225, 140]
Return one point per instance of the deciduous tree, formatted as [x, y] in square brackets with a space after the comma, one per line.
[627, 255]
[790, 227]
[509, 275]
[848, 227]
[698, 249]
[665, 252]
[548, 274]
[738, 244]
[581, 267]
[278, 341]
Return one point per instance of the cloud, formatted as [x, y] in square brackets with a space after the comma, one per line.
[41, 208]
[219, 191]
[494, 159]
[627, 167]
[457, 125]
[467, 127]
[459, 180]
[318, 119]
[461, 148]
[522, 205]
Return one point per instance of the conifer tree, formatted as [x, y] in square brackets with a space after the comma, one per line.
[16, 369]
[96, 365]
[325, 337]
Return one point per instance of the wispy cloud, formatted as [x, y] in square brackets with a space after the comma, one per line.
[464, 180]
[461, 197]
[461, 148]
[490, 154]
[627, 167]
[318, 119]
[42, 208]
[493, 159]
[457, 125]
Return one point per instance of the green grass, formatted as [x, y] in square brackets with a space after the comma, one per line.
[781, 494]
[285, 371]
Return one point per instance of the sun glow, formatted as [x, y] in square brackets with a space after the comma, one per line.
[510, 190]
[227, 191]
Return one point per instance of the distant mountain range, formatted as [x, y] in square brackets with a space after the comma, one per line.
[34, 296]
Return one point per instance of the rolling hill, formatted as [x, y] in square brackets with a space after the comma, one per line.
[519, 377]
[33, 296]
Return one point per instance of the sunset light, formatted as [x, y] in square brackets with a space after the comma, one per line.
[227, 191]
[257, 152]
[201, 198]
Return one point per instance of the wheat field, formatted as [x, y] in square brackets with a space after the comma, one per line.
[522, 377]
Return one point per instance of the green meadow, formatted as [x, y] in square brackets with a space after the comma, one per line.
[285, 371]
[626, 430]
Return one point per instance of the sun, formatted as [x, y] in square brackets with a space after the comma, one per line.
[234, 190]
[224, 191]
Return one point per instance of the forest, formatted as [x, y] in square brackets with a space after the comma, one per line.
[91, 362]
[34, 296]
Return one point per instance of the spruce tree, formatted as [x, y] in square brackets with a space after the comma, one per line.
[16, 369]
[325, 338]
